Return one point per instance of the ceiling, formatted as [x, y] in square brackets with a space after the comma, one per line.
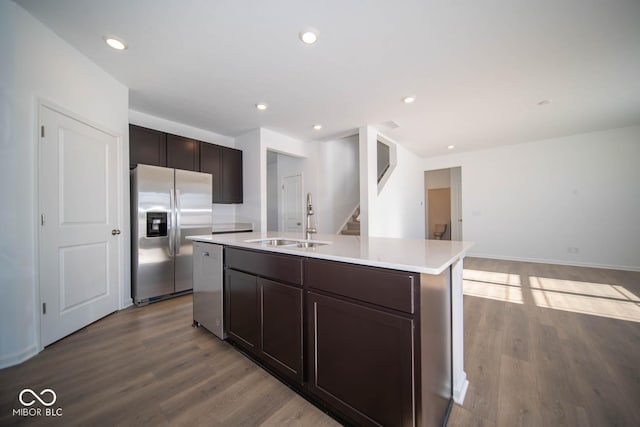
[478, 68]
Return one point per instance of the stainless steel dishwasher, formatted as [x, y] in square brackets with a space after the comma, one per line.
[208, 297]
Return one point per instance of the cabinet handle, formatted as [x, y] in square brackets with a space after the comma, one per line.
[205, 253]
[115, 232]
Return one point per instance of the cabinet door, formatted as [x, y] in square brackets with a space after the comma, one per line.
[211, 162]
[360, 361]
[147, 146]
[183, 153]
[242, 310]
[282, 327]
[231, 175]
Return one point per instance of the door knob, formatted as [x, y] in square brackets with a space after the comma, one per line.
[114, 232]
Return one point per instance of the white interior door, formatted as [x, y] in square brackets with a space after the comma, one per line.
[291, 212]
[78, 239]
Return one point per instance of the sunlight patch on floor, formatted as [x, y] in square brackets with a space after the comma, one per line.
[598, 299]
[492, 285]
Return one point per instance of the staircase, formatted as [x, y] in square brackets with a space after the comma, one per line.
[352, 227]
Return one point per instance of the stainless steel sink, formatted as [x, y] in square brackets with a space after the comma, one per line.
[275, 242]
[281, 241]
[308, 244]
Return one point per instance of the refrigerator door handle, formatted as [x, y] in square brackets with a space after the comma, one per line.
[178, 225]
[171, 224]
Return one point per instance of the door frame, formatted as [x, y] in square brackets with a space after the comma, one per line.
[455, 202]
[455, 180]
[123, 223]
[281, 220]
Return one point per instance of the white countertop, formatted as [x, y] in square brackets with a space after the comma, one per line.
[419, 256]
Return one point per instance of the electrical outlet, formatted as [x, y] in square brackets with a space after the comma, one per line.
[573, 250]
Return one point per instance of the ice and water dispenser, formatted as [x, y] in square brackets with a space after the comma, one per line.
[156, 224]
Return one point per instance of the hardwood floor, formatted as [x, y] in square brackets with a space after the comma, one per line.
[148, 367]
[529, 360]
[532, 362]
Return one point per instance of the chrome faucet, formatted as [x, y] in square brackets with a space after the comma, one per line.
[312, 225]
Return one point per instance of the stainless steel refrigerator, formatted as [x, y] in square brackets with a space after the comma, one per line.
[167, 205]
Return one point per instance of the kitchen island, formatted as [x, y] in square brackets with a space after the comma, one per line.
[368, 328]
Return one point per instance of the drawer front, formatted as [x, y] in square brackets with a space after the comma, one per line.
[386, 288]
[279, 267]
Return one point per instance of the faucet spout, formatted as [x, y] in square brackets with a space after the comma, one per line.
[312, 225]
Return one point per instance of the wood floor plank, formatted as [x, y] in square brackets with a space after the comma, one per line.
[484, 362]
[518, 403]
[295, 414]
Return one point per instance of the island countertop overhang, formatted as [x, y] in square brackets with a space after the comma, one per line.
[413, 255]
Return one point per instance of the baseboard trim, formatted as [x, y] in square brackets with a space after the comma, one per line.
[460, 389]
[18, 357]
[554, 262]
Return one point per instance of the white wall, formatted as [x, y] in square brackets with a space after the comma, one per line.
[255, 145]
[252, 160]
[367, 153]
[37, 64]
[338, 182]
[534, 201]
[289, 166]
[272, 191]
[399, 206]
[397, 210]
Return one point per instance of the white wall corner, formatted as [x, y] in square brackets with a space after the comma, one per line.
[368, 177]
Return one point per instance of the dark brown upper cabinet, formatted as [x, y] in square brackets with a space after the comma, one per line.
[231, 175]
[211, 162]
[152, 147]
[147, 146]
[183, 153]
[225, 165]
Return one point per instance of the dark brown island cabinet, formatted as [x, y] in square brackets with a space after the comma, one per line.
[264, 308]
[378, 341]
[152, 147]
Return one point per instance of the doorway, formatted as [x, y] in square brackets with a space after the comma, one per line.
[285, 189]
[291, 210]
[443, 204]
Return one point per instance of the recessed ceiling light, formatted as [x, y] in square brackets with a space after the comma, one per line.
[115, 43]
[544, 102]
[317, 127]
[262, 106]
[309, 36]
[409, 99]
[451, 147]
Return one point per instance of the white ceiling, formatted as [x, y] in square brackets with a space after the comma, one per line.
[478, 68]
